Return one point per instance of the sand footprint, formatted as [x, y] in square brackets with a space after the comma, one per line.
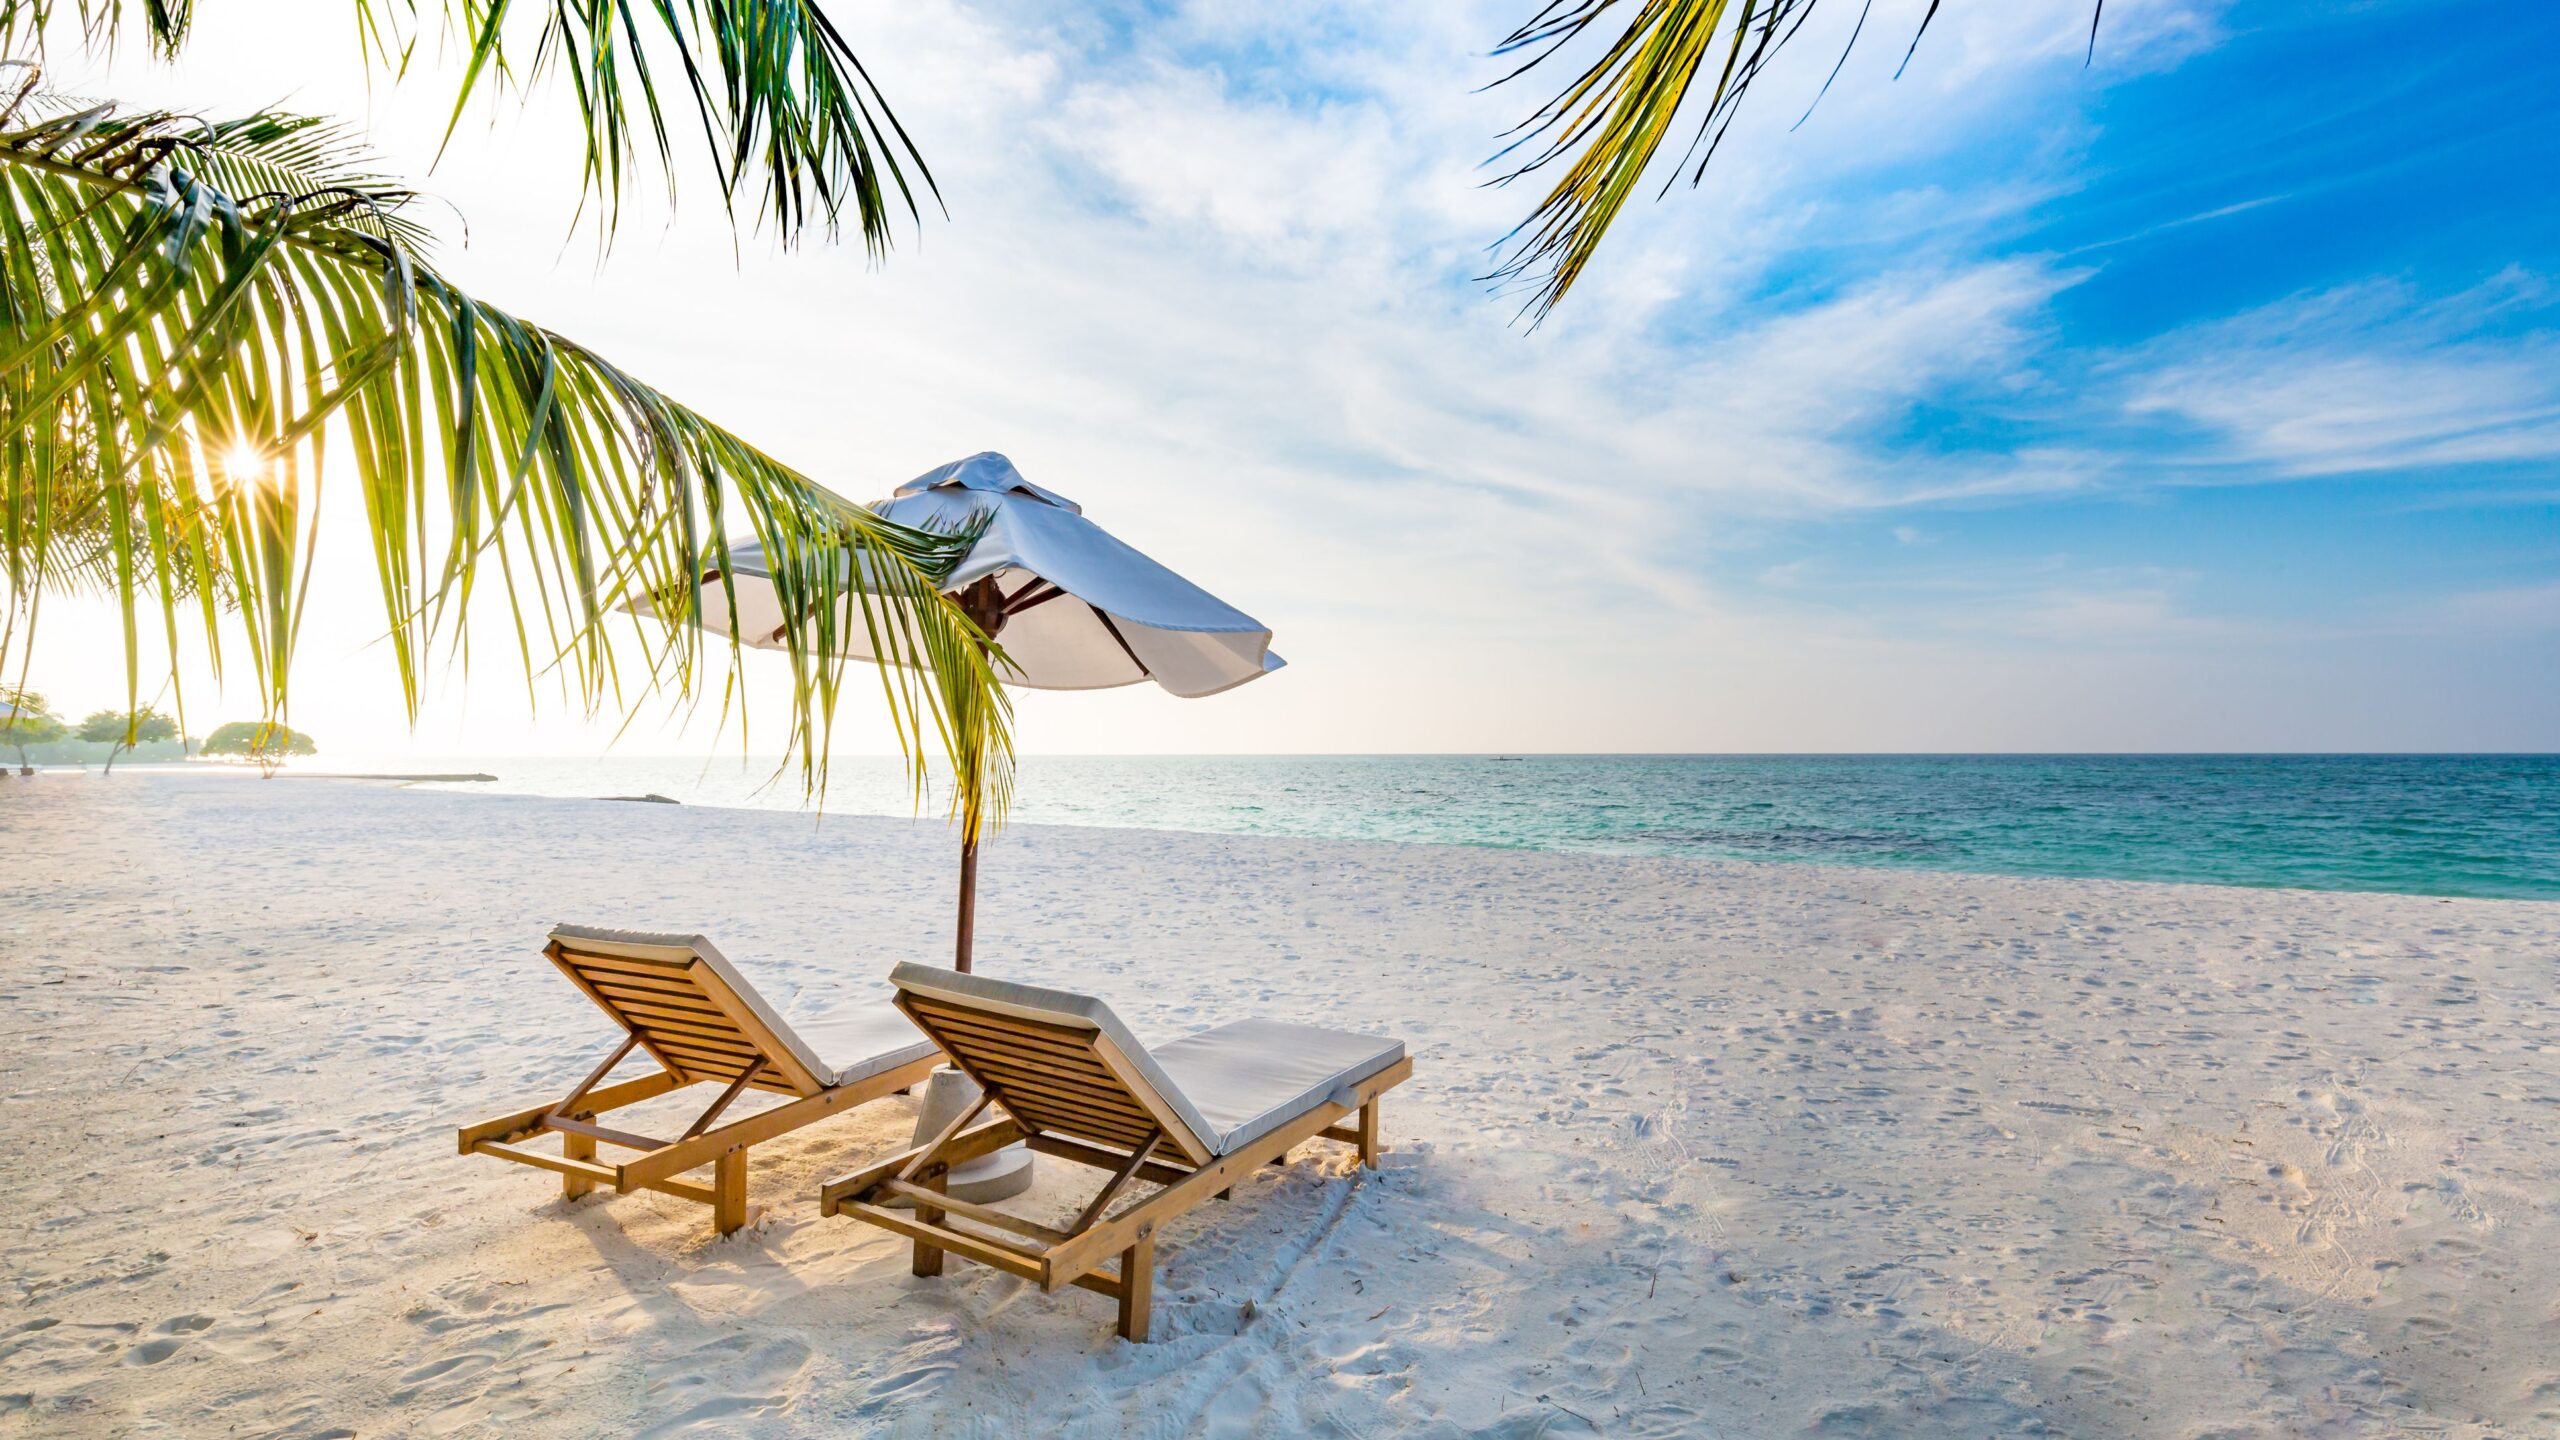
[763, 1377]
[151, 1352]
[20, 1338]
[457, 1367]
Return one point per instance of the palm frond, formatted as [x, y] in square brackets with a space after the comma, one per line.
[79, 556]
[1607, 126]
[194, 313]
[797, 130]
[1616, 113]
[101, 22]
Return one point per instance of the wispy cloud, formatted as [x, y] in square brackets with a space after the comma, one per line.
[2513, 609]
[2369, 377]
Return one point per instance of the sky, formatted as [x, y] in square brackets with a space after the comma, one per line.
[2198, 393]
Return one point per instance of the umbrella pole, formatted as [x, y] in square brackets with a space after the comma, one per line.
[984, 604]
[968, 903]
[944, 1098]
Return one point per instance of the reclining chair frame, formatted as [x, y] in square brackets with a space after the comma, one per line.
[685, 1043]
[1057, 1084]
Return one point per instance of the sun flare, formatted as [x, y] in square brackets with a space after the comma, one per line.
[245, 461]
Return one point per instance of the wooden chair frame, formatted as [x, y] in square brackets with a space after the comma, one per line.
[690, 1046]
[1040, 1113]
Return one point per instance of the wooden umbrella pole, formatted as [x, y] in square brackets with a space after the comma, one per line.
[968, 902]
[983, 603]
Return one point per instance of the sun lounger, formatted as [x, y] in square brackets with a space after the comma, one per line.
[1193, 1117]
[678, 1000]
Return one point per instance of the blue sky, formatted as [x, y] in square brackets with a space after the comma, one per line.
[2206, 396]
[2363, 187]
[2295, 365]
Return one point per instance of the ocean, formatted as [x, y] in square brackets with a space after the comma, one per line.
[2428, 825]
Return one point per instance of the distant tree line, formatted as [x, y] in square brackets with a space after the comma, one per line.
[28, 722]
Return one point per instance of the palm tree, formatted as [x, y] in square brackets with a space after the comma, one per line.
[192, 311]
[1608, 123]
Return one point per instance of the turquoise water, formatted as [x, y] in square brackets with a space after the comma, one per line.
[2428, 825]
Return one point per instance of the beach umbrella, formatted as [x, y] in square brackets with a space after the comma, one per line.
[1073, 607]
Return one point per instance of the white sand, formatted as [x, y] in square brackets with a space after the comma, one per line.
[1691, 1148]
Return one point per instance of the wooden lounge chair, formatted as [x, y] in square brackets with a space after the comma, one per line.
[676, 998]
[1192, 1117]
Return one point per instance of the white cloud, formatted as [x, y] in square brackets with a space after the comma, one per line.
[1282, 182]
[2363, 378]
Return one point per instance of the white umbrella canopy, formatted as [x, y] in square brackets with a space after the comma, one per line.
[1076, 608]
[1073, 607]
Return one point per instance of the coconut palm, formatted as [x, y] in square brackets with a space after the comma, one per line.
[193, 312]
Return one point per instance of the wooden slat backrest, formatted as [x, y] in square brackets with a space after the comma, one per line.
[684, 1016]
[1056, 1079]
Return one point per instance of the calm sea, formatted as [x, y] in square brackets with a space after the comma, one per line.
[2430, 825]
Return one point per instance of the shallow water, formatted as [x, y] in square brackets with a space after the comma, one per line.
[2430, 825]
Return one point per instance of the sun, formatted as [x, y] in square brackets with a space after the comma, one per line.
[244, 461]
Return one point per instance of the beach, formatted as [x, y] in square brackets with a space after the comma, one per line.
[1692, 1147]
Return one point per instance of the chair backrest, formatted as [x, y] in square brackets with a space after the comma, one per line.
[1059, 1062]
[692, 1012]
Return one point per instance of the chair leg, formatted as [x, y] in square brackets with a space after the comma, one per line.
[928, 1259]
[729, 1192]
[576, 1147]
[1369, 1133]
[1138, 1290]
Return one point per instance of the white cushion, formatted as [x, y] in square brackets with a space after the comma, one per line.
[1252, 1076]
[864, 1040]
[1231, 1085]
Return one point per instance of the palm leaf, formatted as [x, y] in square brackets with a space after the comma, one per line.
[101, 22]
[796, 129]
[189, 352]
[1607, 125]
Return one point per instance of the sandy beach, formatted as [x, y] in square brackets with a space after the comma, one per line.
[1691, 1148]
